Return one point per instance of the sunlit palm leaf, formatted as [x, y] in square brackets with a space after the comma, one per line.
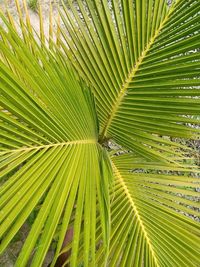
[147, 230]
[49, 134]
[141, 59]
[150, 205]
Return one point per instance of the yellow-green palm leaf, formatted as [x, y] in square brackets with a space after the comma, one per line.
[142, 60]
[50, 157]
[86, 127]
[148, 228]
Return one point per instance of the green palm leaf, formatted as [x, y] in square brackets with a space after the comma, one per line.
[148, 225]
[49, 134]
[125, 71]
[146, 228]
[142, 62]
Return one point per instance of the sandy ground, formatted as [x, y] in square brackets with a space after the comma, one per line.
[33, 14]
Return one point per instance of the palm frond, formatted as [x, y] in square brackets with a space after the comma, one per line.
[50, 159]
[149, 226]
[142, 60]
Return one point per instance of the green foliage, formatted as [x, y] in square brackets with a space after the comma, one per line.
[33, 4]
[88, 130]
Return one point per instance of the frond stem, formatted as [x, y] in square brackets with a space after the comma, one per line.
[131, 75]
[75, 142]
[128, 195]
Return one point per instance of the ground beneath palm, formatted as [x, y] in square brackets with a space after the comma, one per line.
[33, 14]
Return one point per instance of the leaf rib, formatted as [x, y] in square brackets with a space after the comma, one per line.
[74, 142]
[131, 75]
[126, 190]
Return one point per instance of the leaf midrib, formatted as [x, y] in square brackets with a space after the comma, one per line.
[126, 190]
[74, 142]
[131, 75]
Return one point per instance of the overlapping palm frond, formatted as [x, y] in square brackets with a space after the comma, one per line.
[141, 59]
[151, 206]
[50, 156]
[121, 70]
